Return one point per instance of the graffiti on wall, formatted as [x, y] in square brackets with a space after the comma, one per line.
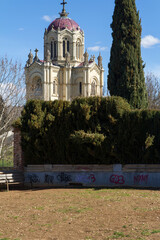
[86, 178]
[92, 178]
[117, 179]
[81, 178]
[49, 179]
[33, 178]
[64, 177]
[139, 179]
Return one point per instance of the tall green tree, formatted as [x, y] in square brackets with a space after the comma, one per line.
[126, 75]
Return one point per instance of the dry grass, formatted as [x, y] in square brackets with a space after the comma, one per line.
[66, 214]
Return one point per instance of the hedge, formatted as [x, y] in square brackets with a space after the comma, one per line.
[93, 130]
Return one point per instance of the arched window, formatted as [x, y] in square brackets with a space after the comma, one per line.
[36, 86]
[55, 49]
[54, 87]
[78, 49]
[80, 88]
[93, 88]
[66, 47]
[51, 50]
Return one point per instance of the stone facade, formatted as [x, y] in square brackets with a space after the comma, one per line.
[66, 72]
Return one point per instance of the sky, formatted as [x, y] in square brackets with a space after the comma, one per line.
[22, 25]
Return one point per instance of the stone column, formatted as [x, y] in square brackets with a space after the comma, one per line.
[50, 83]
[101, 81]
[45, 83]
[18, 154]
[59, 46]
[85, 83]
[64, 84]
[74, 47]
[88, 93]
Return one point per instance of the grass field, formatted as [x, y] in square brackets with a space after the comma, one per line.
[75, 214]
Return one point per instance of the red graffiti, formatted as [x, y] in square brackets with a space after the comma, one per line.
[117, 179]
[141, 179]
[92, 178]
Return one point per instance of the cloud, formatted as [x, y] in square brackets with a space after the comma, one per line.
[97, 48]
[21, 29]
[103, 48]
[46, 18]
[149, 41]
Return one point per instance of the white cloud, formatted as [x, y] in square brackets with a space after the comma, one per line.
[97, 49]
[21, 29]
[46, 18]
[103, 48]
[149, 41]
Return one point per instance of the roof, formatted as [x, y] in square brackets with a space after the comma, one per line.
[82, 63]
[64, 22]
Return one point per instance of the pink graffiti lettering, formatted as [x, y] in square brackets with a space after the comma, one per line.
[141, 179]
[117, 179]
[92, 178]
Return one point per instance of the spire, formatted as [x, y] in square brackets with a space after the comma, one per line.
[30, 58]
[63, 13]
[36, 55]
[86, 55]
[100, 61]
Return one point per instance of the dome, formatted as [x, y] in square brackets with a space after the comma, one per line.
[63, 23]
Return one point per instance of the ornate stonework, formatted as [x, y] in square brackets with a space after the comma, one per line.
[65, 72]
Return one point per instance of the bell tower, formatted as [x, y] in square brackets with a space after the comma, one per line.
[64, 36]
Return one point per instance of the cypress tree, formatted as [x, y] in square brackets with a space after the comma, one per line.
[126, 75]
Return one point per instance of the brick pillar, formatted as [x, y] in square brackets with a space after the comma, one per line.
[18, 154]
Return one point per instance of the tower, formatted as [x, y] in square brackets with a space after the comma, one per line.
[65, 72]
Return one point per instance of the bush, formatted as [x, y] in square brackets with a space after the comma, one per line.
[91, 130]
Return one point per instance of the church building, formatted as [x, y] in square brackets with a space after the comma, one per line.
[66, 71]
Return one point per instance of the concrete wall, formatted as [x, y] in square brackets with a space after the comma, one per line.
[94, 175]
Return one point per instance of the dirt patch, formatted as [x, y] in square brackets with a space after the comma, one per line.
[75, 214]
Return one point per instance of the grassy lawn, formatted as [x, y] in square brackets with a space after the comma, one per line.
[88, 214]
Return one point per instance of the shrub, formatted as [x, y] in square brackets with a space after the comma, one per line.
[91, 130]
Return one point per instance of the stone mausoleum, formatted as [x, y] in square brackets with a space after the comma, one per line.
[66, 71]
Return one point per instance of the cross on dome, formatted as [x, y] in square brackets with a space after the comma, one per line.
[63, 13]
[64, 3]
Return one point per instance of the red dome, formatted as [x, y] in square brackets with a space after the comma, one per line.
[63, 23]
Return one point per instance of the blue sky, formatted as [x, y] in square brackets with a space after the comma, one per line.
[22, 25]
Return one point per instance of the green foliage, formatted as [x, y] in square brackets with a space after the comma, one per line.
[87, 147]
[91, 130]
[149, 141]
[139, 137]
[126, 75]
